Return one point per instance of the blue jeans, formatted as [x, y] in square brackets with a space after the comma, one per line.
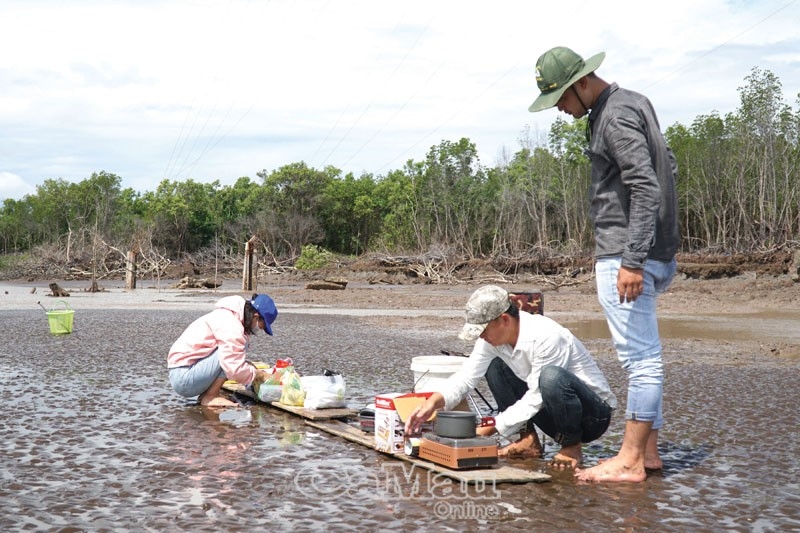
[634, 331]
[571, 412]
[190, 381]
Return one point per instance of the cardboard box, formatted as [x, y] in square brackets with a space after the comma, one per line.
[391, 411]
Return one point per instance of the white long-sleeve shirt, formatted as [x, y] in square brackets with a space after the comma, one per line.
[541, 342]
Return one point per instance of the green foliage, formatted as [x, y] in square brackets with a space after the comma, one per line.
[291, 216]
[352, 213]
[567, 140]
[8, 261]
[395, 193]
[313, 257]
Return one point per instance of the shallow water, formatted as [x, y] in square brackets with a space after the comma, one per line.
[746, 327]
[95, 440]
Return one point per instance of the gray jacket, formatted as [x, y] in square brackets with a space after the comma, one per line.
[634, 203]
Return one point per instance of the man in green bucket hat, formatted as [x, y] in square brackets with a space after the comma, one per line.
[557, 70]
[634, 211]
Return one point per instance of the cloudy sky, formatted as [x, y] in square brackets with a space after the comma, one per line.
[219, 89]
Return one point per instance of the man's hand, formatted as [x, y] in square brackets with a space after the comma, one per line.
[485, 431]
[421, 414]
[630, 283]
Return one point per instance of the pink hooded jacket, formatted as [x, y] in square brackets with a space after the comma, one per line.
[221, 329]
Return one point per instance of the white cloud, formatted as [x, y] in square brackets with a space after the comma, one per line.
[13, 186]
[222, 89]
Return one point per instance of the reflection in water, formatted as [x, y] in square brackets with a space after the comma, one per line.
[678, 457]
[95, 439]
[209, 456]
[777, 326]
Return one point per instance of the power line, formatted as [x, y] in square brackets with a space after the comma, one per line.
[719, 46]
[453, 116]
[386, 81]
[180, 163]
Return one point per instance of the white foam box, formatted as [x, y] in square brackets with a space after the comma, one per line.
[391, 410]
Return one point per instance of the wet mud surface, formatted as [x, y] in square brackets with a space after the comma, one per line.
[94, 439]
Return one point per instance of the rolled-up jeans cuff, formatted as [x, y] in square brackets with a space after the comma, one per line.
[641, 416]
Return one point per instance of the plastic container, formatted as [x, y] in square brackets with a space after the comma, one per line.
[60, 320]
[431, 371]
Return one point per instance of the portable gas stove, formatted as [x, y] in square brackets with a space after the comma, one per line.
[474, 452]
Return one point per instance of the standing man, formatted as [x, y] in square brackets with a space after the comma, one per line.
[635, 216]
[538, 372]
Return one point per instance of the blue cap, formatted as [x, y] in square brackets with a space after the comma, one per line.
[266, 308]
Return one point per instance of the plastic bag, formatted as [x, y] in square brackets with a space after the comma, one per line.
[275, 376]
[265, 388]
[271, 389]
[292, 392]
[276, 372]
[324, 392]
[269, 393]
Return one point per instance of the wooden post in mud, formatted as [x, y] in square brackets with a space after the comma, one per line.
[130, 271]
[250, 270]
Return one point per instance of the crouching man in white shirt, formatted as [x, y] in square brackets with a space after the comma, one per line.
[539, 374]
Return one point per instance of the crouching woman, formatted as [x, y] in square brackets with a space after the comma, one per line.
[212, 349]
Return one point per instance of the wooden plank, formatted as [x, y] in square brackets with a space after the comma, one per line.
[325, 420]
[308, 414]
[346, 431]
[317, 414]
[238, 388]
[499, 474]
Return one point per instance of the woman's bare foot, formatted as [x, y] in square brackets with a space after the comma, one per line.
[217, 401]
[614, 470]
[212, 396]
[527, 447]
[568, 457]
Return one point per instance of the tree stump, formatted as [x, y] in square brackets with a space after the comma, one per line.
[130, 270]
[250, 270]
[57, 291]
[794, 268]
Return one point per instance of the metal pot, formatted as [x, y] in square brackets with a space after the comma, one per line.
[455, 424]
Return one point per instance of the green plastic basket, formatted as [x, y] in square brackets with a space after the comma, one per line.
[60, 320]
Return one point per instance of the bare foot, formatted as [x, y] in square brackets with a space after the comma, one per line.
[568, 457]
[526, 447]
[651, 462]
[613, 470]
[217, 401]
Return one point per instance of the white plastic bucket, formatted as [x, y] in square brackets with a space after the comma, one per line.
[431, 371]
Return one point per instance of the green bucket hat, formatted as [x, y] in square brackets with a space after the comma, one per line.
[556, 70]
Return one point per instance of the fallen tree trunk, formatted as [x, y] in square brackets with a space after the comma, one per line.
[330, 284]
[196, 283]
